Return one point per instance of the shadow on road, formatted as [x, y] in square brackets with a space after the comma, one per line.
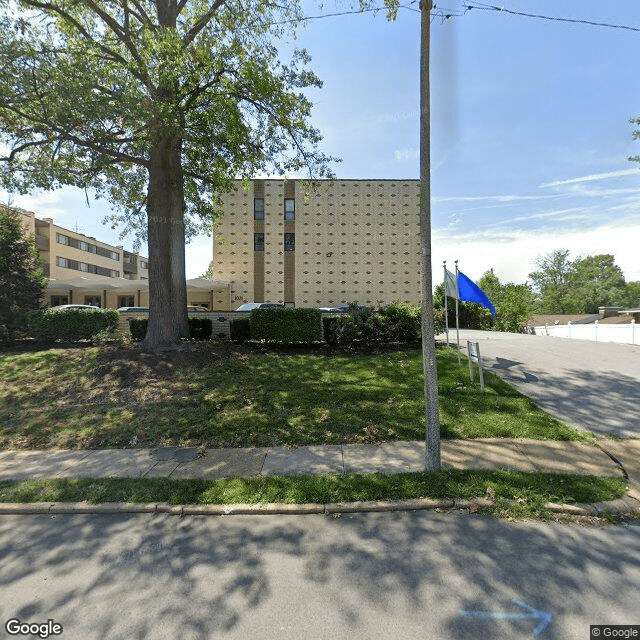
[146, 577]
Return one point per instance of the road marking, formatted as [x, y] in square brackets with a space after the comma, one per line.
[544, 618]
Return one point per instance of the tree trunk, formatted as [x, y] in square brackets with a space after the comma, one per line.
[164, 180]
[168, 321]
[178, 271]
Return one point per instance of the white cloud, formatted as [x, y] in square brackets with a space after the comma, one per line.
[493, 198]
[405, 155]
[594, 177]
[512, 253]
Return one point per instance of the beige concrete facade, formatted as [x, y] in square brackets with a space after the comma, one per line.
[320, 244]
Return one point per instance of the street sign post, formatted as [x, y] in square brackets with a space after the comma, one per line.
[473, 349]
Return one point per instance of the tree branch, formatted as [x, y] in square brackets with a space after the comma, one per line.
[191, 35]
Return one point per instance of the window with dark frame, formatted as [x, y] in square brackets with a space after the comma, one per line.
[289, 241]
[289, 209]
[258, 241]
[258, 208]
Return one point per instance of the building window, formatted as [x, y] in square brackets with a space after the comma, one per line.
[126, 301]
[94, 301]
[144, 264]
[289, 241]
[85, 246]
[258, 208]
[56, 301]
[289, 209]
[258, 241]
[65, 263]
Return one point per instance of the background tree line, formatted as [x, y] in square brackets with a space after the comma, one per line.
[559, 285]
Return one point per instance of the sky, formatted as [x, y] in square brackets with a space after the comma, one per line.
[529, 123]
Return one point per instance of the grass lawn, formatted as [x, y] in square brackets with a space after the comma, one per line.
[92, 398]
[514, 494]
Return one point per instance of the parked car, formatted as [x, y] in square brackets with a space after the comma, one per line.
[250, 306]
[66, 307]
[344, 308]
[133, 309]
[195, 307]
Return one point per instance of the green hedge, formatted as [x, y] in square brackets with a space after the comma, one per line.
[286, 324]
[330, 329]
[71, 325]
[403, 322]
[397, 322]
[240, 329]
[138, 328]
[199, 328]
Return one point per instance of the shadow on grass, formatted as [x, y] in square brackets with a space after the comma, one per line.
[257, 399]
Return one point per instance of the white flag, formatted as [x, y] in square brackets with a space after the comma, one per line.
[450, 285]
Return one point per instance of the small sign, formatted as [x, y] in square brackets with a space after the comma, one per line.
[473, 349]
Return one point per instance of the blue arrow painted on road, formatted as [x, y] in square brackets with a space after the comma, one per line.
[531, 613]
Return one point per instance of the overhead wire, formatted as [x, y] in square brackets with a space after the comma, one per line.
[489, 7]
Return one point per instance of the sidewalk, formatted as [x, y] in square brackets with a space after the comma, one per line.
[605, 458]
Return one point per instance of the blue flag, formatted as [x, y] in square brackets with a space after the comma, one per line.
[469, 291]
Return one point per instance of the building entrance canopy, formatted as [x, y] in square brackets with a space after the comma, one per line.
[214, 294]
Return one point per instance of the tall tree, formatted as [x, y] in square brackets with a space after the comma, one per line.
[631, 297]
[552, 281]
[578, 286]
[596, 281]
[157, 105]
[514, 303]
[22, 281]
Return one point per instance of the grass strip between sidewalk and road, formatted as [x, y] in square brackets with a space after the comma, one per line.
[513, 494]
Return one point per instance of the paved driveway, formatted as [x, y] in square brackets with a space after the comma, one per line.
[593, 386]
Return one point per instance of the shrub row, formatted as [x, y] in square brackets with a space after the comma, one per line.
[199, 328]
[286, 325]
[397, 322]
[71, 325]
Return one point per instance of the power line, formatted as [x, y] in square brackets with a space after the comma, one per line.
[488, 7]
[445, 13]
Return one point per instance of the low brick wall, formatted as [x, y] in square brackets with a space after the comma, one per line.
[220, 321]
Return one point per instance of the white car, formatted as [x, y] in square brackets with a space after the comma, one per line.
[250, 306]
[64, 307]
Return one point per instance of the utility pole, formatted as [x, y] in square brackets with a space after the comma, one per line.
[431, 411]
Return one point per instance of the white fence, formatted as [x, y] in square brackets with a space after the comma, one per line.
[624, 333]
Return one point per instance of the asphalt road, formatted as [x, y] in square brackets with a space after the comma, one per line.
[364, 576]
[593, 386]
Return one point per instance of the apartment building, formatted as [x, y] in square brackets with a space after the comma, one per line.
[320, 244]
[84, 270]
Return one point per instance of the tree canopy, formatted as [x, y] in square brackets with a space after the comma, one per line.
[578, 286]
[156, 105]
[21, 279]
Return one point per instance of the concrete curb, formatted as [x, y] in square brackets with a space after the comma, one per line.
[621, 507]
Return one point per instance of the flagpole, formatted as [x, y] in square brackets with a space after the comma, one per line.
[446, 308]
[457, 317]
